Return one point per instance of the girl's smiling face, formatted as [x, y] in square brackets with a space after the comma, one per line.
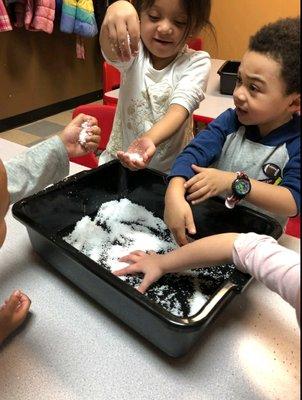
[260, 93]
[4, 202]
[163, 31]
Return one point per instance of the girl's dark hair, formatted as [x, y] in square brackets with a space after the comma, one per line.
[198, 13]
[280, 40]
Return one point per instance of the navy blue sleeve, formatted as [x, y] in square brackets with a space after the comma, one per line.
[292, 171]
[206, 147]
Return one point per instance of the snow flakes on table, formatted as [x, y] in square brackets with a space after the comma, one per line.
[121, 227]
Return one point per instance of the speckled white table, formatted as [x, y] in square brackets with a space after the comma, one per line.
[73, 349]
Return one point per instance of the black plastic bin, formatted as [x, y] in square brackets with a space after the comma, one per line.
[51, 211]
[228, 73]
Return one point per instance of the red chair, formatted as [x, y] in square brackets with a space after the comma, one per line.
[202, 119]
[111, 81]
[105, 116]
[195, 43]
[293, 226]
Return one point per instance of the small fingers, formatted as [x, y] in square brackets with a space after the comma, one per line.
[120, 155]
[133, 26]
[94, 129]
[79, 119]
[200, 192]
[199, 196]
[196, 168]
[201, 199]
[133, 257]
[112, 35]
[145, 284]
[190, 225]
[93, 122]
[123, 271]
[194, 186]
[180, 236]
[139, 164]
[123, 41]
[125, 160]
[90, 146]
[110, 25]
[191, 182]
[93, 139]
[93, 134]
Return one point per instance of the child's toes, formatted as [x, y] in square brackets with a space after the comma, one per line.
[24, 304]
[13, 301]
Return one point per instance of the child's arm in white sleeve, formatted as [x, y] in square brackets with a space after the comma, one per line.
[39, 166]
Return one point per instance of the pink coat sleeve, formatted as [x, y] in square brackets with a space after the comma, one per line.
[270, 263]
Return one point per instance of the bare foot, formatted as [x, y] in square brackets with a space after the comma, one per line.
[13, 313]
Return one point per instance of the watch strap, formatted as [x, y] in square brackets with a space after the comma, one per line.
[232, 200]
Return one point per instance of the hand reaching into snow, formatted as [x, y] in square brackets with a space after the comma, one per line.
[148, 263]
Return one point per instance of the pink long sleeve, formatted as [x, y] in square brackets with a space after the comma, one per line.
[270, 263]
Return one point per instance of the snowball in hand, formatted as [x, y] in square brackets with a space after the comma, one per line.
[84, 134]
[135, 157]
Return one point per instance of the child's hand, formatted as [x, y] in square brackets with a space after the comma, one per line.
[178, 217]
[71, 136]
[208, 182]
[121, 23]
[147, 263]
[138, 155]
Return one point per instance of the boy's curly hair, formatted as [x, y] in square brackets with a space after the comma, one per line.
[198, 12]
[280, 40]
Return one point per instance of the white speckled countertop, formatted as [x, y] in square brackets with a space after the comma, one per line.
[72, 349]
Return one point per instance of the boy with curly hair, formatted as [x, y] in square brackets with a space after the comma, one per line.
[252, 151]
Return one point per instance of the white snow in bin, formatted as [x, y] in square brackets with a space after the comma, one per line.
[121, 227]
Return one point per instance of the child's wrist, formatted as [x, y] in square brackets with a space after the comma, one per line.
[168, 263]
[230, 177]
[176, 186]
[64, 141]
[66, 144]
[151, 136]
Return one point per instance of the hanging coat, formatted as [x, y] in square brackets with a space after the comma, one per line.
[78, 17]
[40, 15]
[5, 24]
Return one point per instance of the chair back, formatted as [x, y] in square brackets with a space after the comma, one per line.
[195, 43]
[293, 226]
[111, 77]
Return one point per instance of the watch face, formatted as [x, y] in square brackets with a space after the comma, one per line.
[241, 187]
